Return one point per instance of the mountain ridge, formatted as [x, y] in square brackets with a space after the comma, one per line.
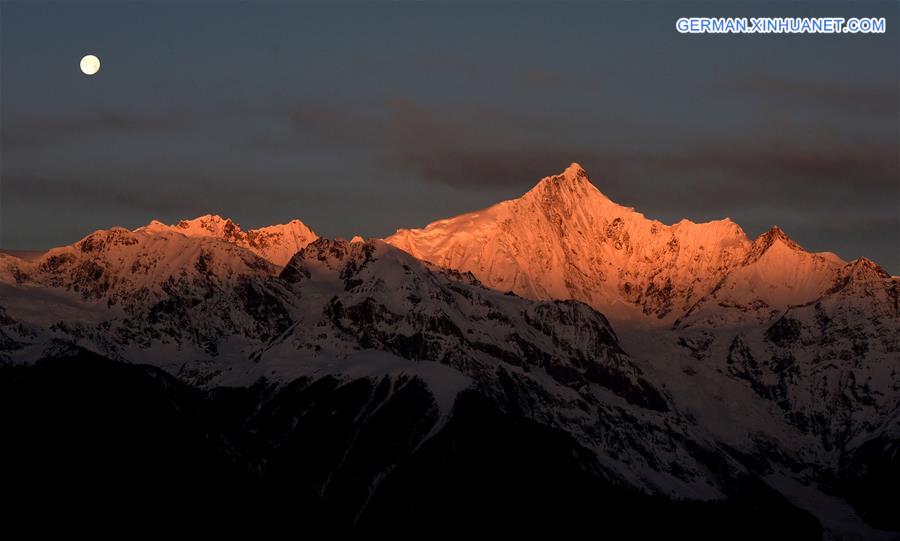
[612, 257]
[276, 243]
[682, 356]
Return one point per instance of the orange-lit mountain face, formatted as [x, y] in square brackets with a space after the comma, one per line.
[276, 243]
[564, 239]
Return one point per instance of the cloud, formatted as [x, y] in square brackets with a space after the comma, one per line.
[464, 145]
[93, 193]
[847, 96]
[812, 164]
[485, 167]
[470, 146]
[29, 131]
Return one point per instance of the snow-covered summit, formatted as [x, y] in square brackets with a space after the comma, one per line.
[863, 268]
[276, 243]
[121, 266]
[775, 236]
[564, 239]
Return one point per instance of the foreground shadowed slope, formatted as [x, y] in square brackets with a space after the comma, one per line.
[143, 441]
[353, 309]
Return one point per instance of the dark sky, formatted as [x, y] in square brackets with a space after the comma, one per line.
[359, 118]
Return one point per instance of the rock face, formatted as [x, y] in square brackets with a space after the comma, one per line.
[138, 289]
[819, 339]
[775, 274]
[814, 381]
[752, 374]
[832, 363]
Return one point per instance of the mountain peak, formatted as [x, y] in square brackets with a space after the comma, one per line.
[571, 188]
[573, 174]
[276, 243]
[207, 225]
[865, 268]
[206, 221]
[575, 171]
[862, 272]
[564, 239]
[775, 235]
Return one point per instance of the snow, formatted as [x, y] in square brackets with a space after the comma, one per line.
[443, 381]
[777, 274]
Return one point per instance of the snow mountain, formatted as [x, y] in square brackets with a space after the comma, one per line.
[767, 345]
[775, 274]
[564, 239]
[557, 344]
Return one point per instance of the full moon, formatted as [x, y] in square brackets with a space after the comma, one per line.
[90, 64]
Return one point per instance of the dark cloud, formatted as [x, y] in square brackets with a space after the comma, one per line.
[95, 193]
[49, 129]
[324, 124]
[485, 167]
[844, 96]
[813, 165]
[471, 146]
[462, 145]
